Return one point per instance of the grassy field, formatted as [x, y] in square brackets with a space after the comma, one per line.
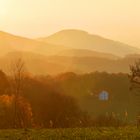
[127, 133]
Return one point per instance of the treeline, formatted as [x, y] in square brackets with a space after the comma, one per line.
[43, 103]
[38, 105]
[63, 101]
[87, 87]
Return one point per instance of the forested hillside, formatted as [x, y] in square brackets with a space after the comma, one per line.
[68, 100]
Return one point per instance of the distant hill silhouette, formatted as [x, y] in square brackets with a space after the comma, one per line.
[43, 65]
[9, 43]
[86, 53]
[82, 40]
[71, 50]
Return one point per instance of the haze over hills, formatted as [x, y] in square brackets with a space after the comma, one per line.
[44, 58]
[86, 53]
[82, 40]
[44, 65]
[10, 43]
[67, 42]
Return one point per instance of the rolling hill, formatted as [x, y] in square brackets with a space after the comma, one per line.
[10, 43]
[86, 53]
[39, 64]
[42, 57]
[78, 39]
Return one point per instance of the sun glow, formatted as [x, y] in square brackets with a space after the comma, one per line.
[114, 19]
[3, 7]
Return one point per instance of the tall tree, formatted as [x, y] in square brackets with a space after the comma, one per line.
[135, 74]
[135, 84]
[17, 71]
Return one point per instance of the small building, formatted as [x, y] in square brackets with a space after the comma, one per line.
[104, 96]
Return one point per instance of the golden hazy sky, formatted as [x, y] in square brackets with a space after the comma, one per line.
[115, 19]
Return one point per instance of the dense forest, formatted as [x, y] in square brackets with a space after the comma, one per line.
[65, 100]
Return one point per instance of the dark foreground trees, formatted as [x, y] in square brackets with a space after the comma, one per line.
[51, 108]
[22, 111]
[58, 110]
[135, 75]
[37, 104]
[7, 112]
[45, 102]
[135, 85]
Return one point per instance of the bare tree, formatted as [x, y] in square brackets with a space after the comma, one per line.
[17, 71]
[135, 84]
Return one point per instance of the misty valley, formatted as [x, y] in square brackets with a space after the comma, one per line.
[71, 82]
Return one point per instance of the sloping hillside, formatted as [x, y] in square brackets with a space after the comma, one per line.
[9, 42]
[82, 40]
[86, 53]
[43, 65]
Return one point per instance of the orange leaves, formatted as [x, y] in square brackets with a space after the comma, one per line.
[6, 100]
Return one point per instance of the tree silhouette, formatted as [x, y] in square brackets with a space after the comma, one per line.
[18, 76]
[135, 74]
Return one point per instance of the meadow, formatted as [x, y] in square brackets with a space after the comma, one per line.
[99, 133]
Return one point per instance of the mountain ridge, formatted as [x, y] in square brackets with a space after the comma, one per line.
[10, 43]
[83, 40]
